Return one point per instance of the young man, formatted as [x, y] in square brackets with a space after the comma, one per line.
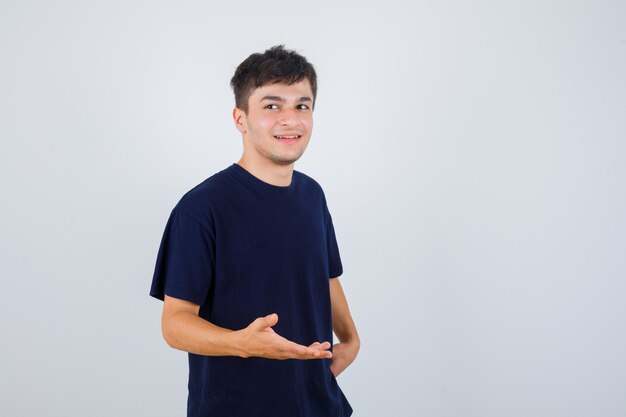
[248, 265]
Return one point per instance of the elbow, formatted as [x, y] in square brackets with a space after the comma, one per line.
[168, 339]
[356, 342]
[166, 331]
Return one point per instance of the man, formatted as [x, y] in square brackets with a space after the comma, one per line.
[248, 265]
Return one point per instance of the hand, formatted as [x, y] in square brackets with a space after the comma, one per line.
[343, 355]
[259, 339]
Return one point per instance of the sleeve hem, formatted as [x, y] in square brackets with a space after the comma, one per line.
[336, 273]
[178, 293]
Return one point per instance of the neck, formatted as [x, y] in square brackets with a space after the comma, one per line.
[271, 173]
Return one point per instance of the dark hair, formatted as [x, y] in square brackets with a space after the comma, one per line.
[275, 65]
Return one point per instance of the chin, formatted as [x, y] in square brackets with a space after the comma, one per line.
[284, 160]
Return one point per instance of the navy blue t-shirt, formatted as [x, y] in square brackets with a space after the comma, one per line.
[242, 248]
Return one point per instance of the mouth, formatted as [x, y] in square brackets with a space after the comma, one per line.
[288, 138]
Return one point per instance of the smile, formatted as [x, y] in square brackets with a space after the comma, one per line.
[289, 137]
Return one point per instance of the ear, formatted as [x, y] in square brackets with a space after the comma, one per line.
[239, 117]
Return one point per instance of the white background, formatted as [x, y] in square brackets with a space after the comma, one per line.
[472, 153]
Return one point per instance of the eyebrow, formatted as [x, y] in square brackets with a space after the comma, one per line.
[282, 100]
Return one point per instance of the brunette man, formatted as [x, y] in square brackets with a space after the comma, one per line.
[249, 265]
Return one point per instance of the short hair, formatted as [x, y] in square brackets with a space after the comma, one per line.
[275, 65]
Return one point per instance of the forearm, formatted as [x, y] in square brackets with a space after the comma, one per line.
[343, 324]
[344, 353]
[186, 331]
[345, 329]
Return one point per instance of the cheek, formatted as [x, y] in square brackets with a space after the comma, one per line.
[308, 123]
[261, 124]
[266, 123]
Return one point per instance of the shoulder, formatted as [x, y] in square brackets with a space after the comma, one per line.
[308, 183]
[199, 201]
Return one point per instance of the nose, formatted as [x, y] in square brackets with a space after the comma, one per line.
[289, 117]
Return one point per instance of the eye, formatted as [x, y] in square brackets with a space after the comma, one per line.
[303, 107]
[271, 107]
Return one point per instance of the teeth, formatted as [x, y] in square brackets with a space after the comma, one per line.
[288, 137]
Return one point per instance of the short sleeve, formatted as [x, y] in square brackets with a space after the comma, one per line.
[185, 264]
[335, 268]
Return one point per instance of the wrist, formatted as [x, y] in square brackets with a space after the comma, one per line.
[237, 342]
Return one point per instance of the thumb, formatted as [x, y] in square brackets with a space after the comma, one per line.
[267, 321]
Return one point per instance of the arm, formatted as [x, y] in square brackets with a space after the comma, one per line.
[345, 352]
[183, 329]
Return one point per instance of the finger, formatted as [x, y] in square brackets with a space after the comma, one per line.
[304, 352]
[265, 322]
[318, 353]
[320, 346]
[295, 350]
[271, 319]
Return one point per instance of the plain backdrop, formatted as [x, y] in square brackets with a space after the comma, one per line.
[473, 155]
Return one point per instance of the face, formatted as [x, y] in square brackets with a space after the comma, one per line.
[278, 124]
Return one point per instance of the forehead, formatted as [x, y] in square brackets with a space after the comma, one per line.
[286, 91]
